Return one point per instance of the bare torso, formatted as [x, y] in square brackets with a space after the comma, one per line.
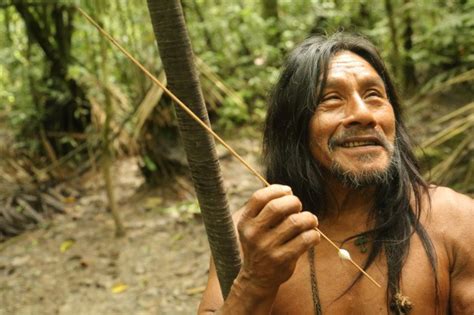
[449, 227]
[334, 276]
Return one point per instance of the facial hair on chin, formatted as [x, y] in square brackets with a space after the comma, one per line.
[364, 178]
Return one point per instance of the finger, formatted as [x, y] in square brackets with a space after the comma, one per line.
[261, 197]
[277, 210]
[294, 225]
[300, 244]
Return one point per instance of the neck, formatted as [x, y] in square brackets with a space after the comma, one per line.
[347, 206]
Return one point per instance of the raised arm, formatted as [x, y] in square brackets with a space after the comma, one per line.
[273, 234]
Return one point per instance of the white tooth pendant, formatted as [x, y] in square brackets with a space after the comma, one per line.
[344, 254]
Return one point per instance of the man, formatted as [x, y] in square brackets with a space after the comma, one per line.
[334, 134]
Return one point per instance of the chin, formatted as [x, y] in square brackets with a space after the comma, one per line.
[363, 164]
[362, 175]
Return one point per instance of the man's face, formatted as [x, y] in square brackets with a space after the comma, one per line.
[352, 131]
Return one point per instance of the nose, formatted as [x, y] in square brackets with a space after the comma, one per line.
[358, 112]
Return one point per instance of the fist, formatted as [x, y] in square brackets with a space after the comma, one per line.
[274, 233]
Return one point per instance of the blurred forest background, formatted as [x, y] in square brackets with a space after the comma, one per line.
[72, 106]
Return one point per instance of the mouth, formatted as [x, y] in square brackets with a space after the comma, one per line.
[354, 144]
[359, 142]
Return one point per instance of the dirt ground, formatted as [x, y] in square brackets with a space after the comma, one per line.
[75, 265]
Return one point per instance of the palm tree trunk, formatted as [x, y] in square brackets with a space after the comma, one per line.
[178, 61]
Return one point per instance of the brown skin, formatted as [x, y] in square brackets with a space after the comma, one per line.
[275, 234]
[354, 108]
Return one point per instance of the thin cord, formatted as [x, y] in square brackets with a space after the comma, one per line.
[198, 120]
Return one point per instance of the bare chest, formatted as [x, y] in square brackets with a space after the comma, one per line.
[335, 277]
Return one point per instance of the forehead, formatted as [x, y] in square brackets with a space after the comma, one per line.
[348, 63]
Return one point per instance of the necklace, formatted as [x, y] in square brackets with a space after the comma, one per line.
[400, 304]
[361, 242]
[314, 283]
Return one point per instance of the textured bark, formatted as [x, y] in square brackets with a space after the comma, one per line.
[178, 61]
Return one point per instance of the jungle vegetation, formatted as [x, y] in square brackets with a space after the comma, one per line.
[71, 102]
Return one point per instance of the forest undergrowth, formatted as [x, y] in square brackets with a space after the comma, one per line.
[73, 264]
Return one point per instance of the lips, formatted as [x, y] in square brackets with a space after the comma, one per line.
[354, 142]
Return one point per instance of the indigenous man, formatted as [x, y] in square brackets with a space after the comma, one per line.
[335, 142]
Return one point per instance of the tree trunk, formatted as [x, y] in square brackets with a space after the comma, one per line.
[270, 9]
[395, 57]
[50, 26]
[409, 73]
[107, 158]
[270, 14]
[178, 61]
[8, 35]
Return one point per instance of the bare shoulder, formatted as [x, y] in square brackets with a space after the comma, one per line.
[452, 220]
[450, 208]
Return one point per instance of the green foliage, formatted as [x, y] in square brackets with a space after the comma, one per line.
[186, 210]
[232, 38]
[444, 46]
[242, 50]
[231, 113]
[24, 71]
[149, 164]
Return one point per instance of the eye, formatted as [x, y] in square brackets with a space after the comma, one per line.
[373, 93]
[331, 97]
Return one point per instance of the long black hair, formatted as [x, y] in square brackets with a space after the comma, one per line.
[289, 160]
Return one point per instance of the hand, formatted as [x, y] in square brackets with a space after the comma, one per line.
[273, 233]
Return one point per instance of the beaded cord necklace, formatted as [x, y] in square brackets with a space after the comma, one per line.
[314, 283]
[400, 304]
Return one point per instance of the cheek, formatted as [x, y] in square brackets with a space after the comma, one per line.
[387, 121]
[320, 131]
[321, 128]
[316, 133]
